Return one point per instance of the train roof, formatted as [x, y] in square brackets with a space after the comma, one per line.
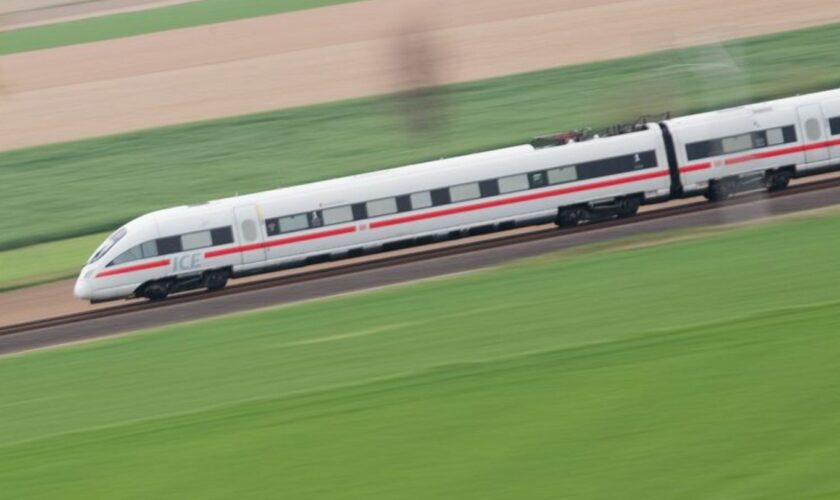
[339, 182]
[759, 107]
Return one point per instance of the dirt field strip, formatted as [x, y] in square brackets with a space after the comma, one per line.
[27, 14]
[342, 52]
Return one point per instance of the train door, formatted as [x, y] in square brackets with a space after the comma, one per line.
[812, 124]
[250, 234]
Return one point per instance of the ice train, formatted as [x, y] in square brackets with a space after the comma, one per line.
[566, 178]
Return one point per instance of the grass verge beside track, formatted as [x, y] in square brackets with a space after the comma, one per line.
[46, 262]
[79, 188]
[147, 21]
[691, 369]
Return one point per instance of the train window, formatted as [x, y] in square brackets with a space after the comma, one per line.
[337, 215]
[616, 165]
[315, 219]
[464, 192]
[292, 223]
[128, 256]
[109, 243]
[561, 175]
[384, 206]
[537, 180]
[440, 197]
[421, 200]
[743, 142]
[775, 137]
[488, 188]
[737, 143]
[199, 239]
[513, 183]
[403, 203]
[359, 211]
[703, 149]
[149, 249]
[790, 134]
[169, 245]
[221, 236]
[835, 125]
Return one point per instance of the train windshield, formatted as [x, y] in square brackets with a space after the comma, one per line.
[109, 243]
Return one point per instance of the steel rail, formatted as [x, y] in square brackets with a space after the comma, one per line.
[352, 265]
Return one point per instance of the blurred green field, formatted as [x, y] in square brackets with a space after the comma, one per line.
[697, 369]
[148, 21]
[79, 188]
[46, 262]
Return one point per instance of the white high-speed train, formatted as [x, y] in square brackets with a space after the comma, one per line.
[567, 178]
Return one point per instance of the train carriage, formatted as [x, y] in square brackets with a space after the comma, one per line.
[201, 246]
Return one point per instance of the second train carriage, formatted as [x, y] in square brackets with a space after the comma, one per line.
[567, 178]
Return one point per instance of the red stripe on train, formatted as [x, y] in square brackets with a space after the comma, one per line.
[763, 155]
[137, 267]
[694, 168]
[517, 199]
[284, 241]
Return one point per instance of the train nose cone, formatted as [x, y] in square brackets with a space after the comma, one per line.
[82, 289]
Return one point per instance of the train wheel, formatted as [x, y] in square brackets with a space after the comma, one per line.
[571, 216]
[628, 207]
[721, 190]
[777, 180]
[157, 290]
[215, 280]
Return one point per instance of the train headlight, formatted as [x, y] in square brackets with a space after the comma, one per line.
[88, 275]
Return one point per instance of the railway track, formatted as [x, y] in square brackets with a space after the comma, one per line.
[353, 265]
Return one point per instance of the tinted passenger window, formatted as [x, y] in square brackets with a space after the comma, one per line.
[315, 219]
[293, 223]
[561, 175]
[421, 200]
[835, 125]
[337, 215]
[129, 255]
[464, 192]
[742, 142]
[359, 211]
[382, 207]
[169, 245]
[775, 136]
[200, 239]
[403, 203]
[222, 236]
[149, 249]
[488, 188]
[440, 197]
[537, 180]
[737, 144]
[513, 183]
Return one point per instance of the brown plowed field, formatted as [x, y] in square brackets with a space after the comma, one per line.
[346, 51]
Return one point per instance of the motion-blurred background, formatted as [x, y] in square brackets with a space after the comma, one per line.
[694, 364]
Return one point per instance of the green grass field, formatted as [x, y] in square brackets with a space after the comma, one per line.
[148, 21]
[46, 262]
[97, 184]
[698, 369]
